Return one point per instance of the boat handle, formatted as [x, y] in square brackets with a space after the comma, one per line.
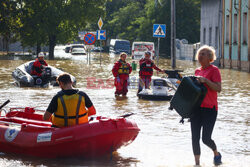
[4, 104]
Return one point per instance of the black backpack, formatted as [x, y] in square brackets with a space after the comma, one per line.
[188, 97]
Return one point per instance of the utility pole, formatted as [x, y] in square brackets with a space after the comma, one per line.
[173, 35]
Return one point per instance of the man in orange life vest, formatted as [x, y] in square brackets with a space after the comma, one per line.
[39, 65]
[146, 71]
[121, 71]
[68, 106]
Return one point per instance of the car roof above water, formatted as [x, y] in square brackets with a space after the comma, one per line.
[113, 41]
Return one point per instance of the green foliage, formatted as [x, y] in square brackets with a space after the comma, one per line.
[124, 21]
[43, 22]
[47, 22]
[134, 20]
[62, 18]
[9, 18]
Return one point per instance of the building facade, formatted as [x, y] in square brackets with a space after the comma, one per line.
[211, 25]
[225, 25]
[236, 36]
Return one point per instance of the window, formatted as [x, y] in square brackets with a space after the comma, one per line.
[235, 34]
[210, 36]
[216, 36]
[204, 36]
[227, 29]
[245, 35]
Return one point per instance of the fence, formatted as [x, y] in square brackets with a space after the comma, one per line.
[186, 51]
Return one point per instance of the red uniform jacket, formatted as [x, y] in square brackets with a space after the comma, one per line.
[37, 67]
[121, 68]
[146, 67]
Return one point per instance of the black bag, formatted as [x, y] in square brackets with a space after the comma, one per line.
[188, 97]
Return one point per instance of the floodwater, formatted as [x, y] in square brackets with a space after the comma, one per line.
[162, 141]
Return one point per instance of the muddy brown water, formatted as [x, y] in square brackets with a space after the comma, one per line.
[162, 141]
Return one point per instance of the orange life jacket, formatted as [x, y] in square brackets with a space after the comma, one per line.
[70, 111]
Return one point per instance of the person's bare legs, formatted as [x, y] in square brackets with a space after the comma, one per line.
[216, 153]
[197, 159]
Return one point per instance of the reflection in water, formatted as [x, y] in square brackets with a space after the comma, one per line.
[19, 160]
[162, 141]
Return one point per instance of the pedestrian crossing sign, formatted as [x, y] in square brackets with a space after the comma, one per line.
[159, 30]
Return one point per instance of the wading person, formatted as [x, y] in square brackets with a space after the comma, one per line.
[146, 71]
[39, 65]
[205, 117]
[121, 71]
[68, 106]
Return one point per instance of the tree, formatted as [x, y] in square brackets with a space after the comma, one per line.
[134, 20]
[9, 19]
[57, 21]
[124, 23]
[48, 22]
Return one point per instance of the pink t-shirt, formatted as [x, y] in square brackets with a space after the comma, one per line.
[213, 74]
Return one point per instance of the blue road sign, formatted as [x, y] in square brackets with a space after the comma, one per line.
[101, 34]
[89, 39]
[159, 30]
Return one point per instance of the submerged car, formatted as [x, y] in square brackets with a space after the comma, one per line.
[73, 46]
[78, 51]
[119, 45]
[97, 49]
[69, 48]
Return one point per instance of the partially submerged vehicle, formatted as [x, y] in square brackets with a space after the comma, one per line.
[23, 78]
[97, 49]
[69, 48]
[24, 132]
[162, 88]
[119, 45]
[139, 49]
[78, 51]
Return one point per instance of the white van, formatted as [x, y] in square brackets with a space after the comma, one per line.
[139, 48]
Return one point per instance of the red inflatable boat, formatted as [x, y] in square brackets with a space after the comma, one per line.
[24, 132]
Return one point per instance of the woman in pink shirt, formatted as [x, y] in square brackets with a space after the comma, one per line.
[205, 117]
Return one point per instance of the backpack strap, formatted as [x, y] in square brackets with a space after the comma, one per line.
[65, 111]
[78, 107]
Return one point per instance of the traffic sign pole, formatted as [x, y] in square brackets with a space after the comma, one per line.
[100, 24]
[100, 53]
[89, 57]
[158, 52]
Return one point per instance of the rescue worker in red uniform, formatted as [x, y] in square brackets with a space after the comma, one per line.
[121, 71]
[69, 106]
[146, 71]
[39, 65]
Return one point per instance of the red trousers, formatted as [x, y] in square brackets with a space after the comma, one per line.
[121, 84]
[144, 81]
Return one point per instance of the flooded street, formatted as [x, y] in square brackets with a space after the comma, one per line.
[162, 141]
